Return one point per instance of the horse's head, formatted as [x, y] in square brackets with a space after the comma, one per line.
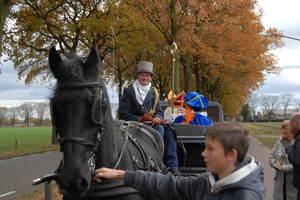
[78, 107]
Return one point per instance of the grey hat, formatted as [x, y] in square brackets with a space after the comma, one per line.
[145, 67]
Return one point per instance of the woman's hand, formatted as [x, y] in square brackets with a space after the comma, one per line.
[278, 166]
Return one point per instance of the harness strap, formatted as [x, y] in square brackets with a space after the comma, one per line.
[78, 140]
[111, 188]
[148, 134]
[122, 151]
[152, 110]
[148, 162]
[128, 137]
[144, 155]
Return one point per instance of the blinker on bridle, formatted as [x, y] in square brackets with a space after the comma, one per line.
[98, 99]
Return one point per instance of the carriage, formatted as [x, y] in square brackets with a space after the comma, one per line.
[89, 138]
[190, 140]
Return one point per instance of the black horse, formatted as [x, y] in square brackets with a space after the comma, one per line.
[90, 138]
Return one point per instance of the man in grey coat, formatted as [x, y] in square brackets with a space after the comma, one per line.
[232, 175]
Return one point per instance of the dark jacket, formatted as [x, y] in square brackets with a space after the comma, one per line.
[130, 109]
[293, 152]
[243, 184]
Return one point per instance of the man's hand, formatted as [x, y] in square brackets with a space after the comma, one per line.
[156, 120]
[146, 117]
[106, 173]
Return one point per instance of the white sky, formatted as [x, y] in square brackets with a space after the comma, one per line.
[284, 16]
[279, 14]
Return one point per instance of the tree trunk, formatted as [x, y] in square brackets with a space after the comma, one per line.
[187, 73]
[4, 9]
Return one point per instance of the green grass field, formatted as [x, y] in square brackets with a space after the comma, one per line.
[265, 132]
[264, 128]
[19, 141]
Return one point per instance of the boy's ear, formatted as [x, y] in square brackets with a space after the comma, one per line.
[232, 155]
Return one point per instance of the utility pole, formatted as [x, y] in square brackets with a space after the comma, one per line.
[173, 53]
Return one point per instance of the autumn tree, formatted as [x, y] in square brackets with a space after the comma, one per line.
[221, 52]
[3, 114]
[219, 43]
[297, 105]
[41, 109]
[285, 101]
[165, 17]
[143, 42]
[13, 113]
[228, 54]
[26, 111]
[270, 104]
[39, 25]
[5, 6]
[246, 113]
[254, 101]
[105, 20]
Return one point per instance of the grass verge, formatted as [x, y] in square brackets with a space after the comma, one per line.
[39, 194]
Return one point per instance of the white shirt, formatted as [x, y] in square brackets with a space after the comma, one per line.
[141, 91]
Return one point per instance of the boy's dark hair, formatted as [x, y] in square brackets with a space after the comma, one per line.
[231, 135]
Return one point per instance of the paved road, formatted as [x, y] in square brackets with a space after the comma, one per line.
[261, 154]
[16, 174]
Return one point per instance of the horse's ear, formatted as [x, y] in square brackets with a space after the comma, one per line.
[54, 60]
[92, 65]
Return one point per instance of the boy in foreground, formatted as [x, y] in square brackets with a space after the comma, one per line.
[231, 174]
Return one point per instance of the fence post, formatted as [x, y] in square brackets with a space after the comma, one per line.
[48, 191]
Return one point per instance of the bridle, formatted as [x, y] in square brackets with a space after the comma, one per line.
[98, 117]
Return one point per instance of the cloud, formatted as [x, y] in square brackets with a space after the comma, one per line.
[282, 16]
[11, 88]
[286, 82]
[14, 92]
[277, 14]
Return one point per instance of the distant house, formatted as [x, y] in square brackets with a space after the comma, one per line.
[268, 116]
[279, 114]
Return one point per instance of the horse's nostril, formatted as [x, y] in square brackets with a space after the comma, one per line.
[82, 183]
